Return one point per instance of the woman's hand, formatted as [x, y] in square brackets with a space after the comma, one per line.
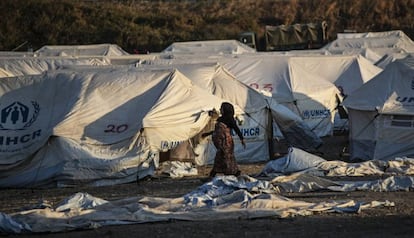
[243, 143]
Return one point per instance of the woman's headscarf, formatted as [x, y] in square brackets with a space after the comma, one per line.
[227, 112]
[227, 117]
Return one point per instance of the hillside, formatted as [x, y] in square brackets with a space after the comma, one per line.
[153, 25]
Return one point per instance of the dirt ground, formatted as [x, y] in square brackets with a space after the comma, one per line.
[395, 221]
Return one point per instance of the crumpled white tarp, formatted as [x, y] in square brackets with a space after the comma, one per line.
[298, 160]
[390, 184]
[302, 182]
[225, 197]
[178, 169]
[300, 171]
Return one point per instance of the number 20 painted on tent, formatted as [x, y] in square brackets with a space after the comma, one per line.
[116, 129]
[267, 86]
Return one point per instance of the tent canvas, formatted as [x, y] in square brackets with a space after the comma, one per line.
[19, 66]
[387, 39]
[131, 59]
[307, 94]
[81, 50]
[373, 45]
[16, 54]
[98, 128]
[310, 96]
[389, 58]
[381, 114]
[209, 47]
[347, 71]
[286, 123]
[250, 107]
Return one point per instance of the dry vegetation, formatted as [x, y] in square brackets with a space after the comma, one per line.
[153, 25]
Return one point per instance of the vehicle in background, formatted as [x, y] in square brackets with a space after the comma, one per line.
[288, 37]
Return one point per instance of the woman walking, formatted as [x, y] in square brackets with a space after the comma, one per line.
[224, 161]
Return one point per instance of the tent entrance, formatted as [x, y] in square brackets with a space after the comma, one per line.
[184, 152]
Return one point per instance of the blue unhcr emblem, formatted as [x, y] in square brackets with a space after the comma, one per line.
[316, 113]
[18, 116]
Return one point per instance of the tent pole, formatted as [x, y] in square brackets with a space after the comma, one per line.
[270, 133]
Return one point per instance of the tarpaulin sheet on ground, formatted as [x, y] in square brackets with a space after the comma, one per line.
[224, 197]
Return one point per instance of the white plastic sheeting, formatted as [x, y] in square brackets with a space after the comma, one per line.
[299, 161]
[178, 169]
[300, 171]
[225, 197]
[301, 182]
[296, 160]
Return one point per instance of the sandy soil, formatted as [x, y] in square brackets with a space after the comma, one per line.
[395, 221]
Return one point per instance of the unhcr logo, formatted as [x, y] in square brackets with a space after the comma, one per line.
[317, 113]
[405, 99]
[18, 116]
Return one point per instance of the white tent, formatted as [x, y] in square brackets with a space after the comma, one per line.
[19, 66]
[131, 59]
[275, 71]
[65, 127]
[388, 39]
[251, 109]
[310, 96]
[16, 54]
[81, 50]
[381, 114]
[210, 47]
[347, 71]
[389, 58]
[373, 45]
[250, 106]
[255, 109]
[306, 93]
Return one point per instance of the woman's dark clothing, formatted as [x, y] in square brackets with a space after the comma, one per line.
[225, 161]
[231, 123]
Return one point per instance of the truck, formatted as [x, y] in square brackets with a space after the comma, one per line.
[288, 37]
